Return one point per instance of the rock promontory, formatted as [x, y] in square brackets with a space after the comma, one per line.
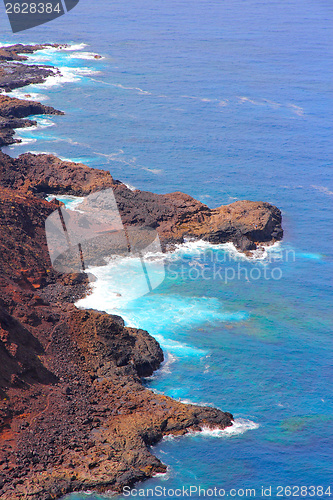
[175, 216]
[12, 114]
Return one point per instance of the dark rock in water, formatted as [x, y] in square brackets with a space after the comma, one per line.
[8, 126]
[11, 52]
[16, 75]
[244, 244]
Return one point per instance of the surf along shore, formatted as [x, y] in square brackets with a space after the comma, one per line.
[74, 414]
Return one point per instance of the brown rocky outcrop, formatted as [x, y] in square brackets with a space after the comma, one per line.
[12, 112]
[48, 174]
[175, 216]
[14, 74]
[19, 108]
[12, 52]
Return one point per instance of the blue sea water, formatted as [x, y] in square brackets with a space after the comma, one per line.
[224, 101]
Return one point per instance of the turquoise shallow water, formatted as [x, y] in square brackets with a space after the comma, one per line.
[223, 101]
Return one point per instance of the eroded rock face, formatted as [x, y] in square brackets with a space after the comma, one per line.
[47, 173]
[19, 108]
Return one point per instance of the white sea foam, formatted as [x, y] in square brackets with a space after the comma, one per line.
[58, 78]
[70, 160]
[42, 123]
[71, 202]
[89, 56]
[239, 426]
[322, 189]
[121, 281]
[44, 56]
[130, 186]
[179, 348]
[189, 402]
[138, 89]
[117, 156]
[24, 141]
[263, 252]
[74, 46]
[196, 247]
[273, 104]
[27, 130]
[197, 98]
[25, 94]
[154, 171]
[243, 99]
[82, 71]
[165, 367]
[163, 475]
[37, 152]
[298, 110]
[66, 74]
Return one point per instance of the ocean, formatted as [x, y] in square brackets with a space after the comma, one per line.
[224, 101]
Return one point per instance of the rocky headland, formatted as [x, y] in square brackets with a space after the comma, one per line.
[14, 74]
[74, 414]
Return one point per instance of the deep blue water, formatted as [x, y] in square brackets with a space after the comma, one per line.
[225, 101]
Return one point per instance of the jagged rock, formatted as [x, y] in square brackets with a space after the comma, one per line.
[175, 216]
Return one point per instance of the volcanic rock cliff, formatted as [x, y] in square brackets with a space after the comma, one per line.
[175, 216]
[74, 413]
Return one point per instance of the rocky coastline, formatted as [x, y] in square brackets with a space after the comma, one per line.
[15, 74]
[74, 413]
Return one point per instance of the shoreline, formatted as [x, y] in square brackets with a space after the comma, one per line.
[70, 379]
